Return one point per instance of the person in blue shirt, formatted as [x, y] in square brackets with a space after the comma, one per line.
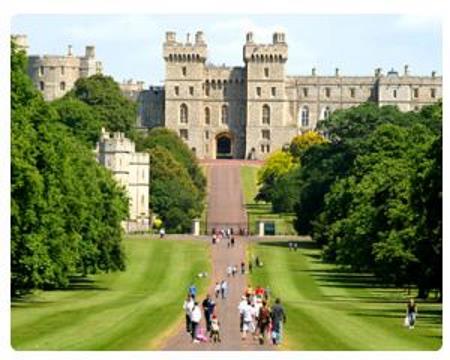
[192, 291]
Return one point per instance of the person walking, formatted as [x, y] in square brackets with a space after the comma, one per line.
[192, 290]
[411, 313]
[188, 306]
[196, 316]
[295, 246]
[242, 268]
[208, 309]
[250, 267]
[278, 317]
[162, 233]
[215, 329]
[229, 270]
[234, 270]
[223, 289]
[263, 321]
[241, 308]
[246, 319]
[217, 289]
[232, 241]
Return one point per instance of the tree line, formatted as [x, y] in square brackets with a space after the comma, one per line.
[370, 192]
[66, 209]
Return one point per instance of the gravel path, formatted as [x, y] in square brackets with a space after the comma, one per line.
[225, 206]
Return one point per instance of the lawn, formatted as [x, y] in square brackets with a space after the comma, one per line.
[329, 309]
[117, 311]
[262, 210]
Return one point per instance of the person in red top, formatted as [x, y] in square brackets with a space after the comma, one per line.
[259, 291]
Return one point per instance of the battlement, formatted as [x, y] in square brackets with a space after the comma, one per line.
[277, 51]
[174, 51]
[21, 40]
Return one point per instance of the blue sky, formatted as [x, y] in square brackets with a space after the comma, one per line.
[130, 45]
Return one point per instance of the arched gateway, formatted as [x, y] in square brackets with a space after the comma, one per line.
[224, 146]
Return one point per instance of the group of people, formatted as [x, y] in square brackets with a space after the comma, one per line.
[293, 245]
[224, 234]
[221, 289]
[260, 320]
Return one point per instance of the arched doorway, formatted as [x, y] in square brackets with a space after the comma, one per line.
[224, 146]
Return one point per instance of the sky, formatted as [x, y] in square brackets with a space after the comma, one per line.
[130, 46]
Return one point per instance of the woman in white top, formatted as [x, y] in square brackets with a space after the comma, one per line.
[187, 307]
[196, 316]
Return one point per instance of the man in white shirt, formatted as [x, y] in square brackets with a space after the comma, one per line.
[187, 307]
[196, 316]
[247, 317]
[241, 307]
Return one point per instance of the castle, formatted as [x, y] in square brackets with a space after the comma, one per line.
[131, 170]
[242, 111]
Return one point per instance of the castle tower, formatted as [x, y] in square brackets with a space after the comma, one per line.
[184, 86]
[265, 79]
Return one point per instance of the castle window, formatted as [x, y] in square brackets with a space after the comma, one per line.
[394, 93]
[206, 135]
[326, 113]
[184, 134]
[305, 116]
[352, 92]
[183, 70]
[327, 92]
[62, 86]
[142, 201]
[268, 148]
[265, 134]
[274, 91]
[262, 148]
[177, 90]
[191, 90]
[258, 91]
[416, 93]
[41, 85]
[266, 114]
[207, 116]
[207, 89]
[41, 70]
[183, 114]
[224, 114]
[305, 92]
[266, 72]
[433, 93]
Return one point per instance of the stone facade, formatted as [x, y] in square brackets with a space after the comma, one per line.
[250, 111]
[131, 170]
[55, 75]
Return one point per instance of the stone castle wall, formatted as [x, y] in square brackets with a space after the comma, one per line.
[295, 103]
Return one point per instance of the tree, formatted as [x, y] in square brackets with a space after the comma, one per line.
[275, 166]
[110, 108]
[301, 143]
[173, 195]
[66, 209]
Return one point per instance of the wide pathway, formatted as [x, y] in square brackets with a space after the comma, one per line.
[225, 206]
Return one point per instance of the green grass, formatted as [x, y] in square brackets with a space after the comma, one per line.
[126, 310]
[328, 309]
[256, 211]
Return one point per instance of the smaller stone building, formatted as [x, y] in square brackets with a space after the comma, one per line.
[131, 170]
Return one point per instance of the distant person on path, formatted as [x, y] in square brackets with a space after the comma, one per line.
[229, 270]
[217, 290]
[234, 270]
[192, 290]
[263, 321]
[162, 233]
[196, 316]
[278, 317]
[290, 245]
[242, 268]
[223, 289]
[215, 329]
[250, 267]
[188, 306]
[214, 237]
[295, 246]
[208, 309]
[267, 292]
[411, 313]
[232, 241]
[257, 261]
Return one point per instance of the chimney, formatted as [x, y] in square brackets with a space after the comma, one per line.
[69, 50]
[433, 74]
[313, 71]
[377, 72]
[188, 39]
[90, 51]
[336, 72]
[249, 38]
[406, 72]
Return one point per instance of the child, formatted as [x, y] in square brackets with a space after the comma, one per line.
[215, 327]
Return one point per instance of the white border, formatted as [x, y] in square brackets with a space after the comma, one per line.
[416, 7]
